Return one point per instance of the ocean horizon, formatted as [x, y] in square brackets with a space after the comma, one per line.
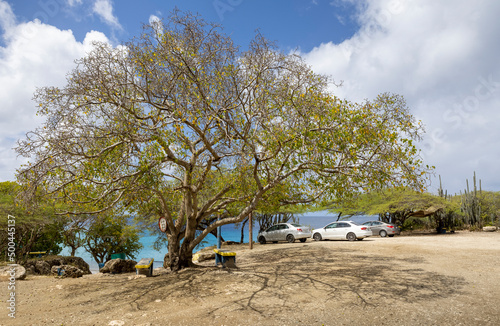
[229, 233]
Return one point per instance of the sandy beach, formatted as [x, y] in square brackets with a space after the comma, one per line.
[447, 279]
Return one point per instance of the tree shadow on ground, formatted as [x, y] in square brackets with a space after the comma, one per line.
[279, 281]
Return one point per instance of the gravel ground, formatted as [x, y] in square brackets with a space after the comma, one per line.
[448, 279]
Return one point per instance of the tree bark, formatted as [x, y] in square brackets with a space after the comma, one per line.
[242, 230]
[180, 255]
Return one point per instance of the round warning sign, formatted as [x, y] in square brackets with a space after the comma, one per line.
[162, 223]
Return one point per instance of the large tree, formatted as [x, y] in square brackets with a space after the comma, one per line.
[182, 119]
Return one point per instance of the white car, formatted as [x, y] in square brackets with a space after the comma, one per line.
[285, 232]
[342, 230]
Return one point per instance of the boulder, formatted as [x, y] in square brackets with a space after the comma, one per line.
[203, 256]
[44, 266]
[30, 270]
[15, 271]
[118, 266]
[489, 228]
[66, 271]
[77, 262]
[55, 261]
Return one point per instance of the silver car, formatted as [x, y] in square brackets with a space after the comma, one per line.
[284, 232]
[383, 229]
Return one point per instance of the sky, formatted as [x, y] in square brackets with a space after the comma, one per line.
[442, 56]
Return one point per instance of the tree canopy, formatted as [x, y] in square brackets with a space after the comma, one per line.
[108, 235]
[181, 123]
[32, 230]
[393, 205]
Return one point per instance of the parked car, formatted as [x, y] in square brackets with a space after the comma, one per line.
[383, 229]
[284, 232]
[342, 230]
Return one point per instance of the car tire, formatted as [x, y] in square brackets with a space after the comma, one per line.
[290, 238]
[303, 240]
[317, 237]
[383, 234]
[351, 236]
[262, 240]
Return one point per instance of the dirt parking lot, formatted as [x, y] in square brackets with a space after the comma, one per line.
[448, 279]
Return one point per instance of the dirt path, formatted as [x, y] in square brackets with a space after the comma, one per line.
[412, 280]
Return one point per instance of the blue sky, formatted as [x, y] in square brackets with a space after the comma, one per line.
[294, 24]
[442, 56]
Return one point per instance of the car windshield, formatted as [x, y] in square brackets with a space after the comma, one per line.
[296, 225]
[355, 223]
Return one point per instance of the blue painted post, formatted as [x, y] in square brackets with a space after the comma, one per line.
[219, 242]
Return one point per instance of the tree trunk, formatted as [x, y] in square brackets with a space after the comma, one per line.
[180, 255]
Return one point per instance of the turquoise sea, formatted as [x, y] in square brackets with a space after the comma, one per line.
[229, 232]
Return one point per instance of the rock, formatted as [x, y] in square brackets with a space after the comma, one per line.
[117, 266]
[30, 270]
[160, 271]
[15, 271]
[66, 271]
[77, 262]
[489, 228]
[44, 266]
[31, 266]
[57, 261]
[203, 256]
[116, 322]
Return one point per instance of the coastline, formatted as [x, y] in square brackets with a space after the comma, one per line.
[230, 233]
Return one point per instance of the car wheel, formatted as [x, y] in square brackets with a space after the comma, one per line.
[262, 240]
[383, 234]
[391, 235]
[290, 238]
[317, 237]
[303, 240]
[351, 236]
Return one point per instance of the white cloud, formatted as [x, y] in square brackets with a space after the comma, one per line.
[7, 18]
[34, 55]
[154, 19]
[104, 8]
[443, 57]
[73, 3]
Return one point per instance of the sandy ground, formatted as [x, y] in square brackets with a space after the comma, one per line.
[450, 279]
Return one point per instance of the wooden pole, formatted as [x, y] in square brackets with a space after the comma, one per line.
[219, 241]
[250, 231]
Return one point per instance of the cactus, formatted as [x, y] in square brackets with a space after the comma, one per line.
[470, 205]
